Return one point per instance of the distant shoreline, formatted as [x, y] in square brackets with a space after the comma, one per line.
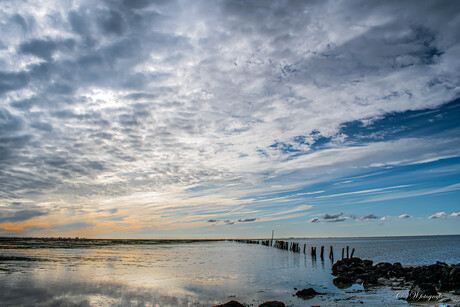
[226, 239]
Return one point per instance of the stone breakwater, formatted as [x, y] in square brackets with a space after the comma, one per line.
[425, 281]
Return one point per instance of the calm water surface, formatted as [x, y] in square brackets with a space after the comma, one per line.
[198, 274]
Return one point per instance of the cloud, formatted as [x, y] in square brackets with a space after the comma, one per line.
[331, 216]
[368, 217]
[404, 216]
[109, 102]
[335, 220]
[12, 216]
[385, 218]
[246, 220]
[443, 215]
[212, 221]
[364, 192]
[439, 215]
[314, 220]
[44, 48]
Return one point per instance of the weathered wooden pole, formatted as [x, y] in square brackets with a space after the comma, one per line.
[347, 251]
[322, 252]
[313, 252]
[331, 253]
[271, 242]
[304, 247]
[352, 252]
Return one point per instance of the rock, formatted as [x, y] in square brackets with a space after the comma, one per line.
[422, 292]
[442, 264]
[368, 262]
[231, 303]
[358, 270]
[397, 270]
[382, 269]
[450, 279]
[338, 267]
[307, 293]
[454, 274]
[384, 281]
[342, 282]
[272, 304]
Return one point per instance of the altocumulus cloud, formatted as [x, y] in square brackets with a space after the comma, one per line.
[327, 216]
[443, 215]
[130, 102]
[370, 216]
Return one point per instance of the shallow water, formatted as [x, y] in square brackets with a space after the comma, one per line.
[409, 250]
[180, 274]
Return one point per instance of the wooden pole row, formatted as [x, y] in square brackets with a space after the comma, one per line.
[296, 247]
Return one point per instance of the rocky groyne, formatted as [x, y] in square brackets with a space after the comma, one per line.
[424, 281]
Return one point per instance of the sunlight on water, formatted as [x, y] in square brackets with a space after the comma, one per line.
[183, 274]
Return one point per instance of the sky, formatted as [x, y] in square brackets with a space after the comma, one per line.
[229, 118]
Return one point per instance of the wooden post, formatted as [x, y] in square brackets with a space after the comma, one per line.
[271, 242]
[322, 252]
[331, 253]
[343, 251]
[347, 251]
[352, 252]
[304, 247]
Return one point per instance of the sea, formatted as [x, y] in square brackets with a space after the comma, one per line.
[96, 272]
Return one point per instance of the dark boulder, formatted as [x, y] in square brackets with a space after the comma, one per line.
[368, 279]
[382, 269]
[339, 267]
[368, 262]
[439, 276]
[454, 274]
[272, 304]
[450, 280]
[397, 270]
[307, 293]
[231, 303]
[358, 270]
[422, 292]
